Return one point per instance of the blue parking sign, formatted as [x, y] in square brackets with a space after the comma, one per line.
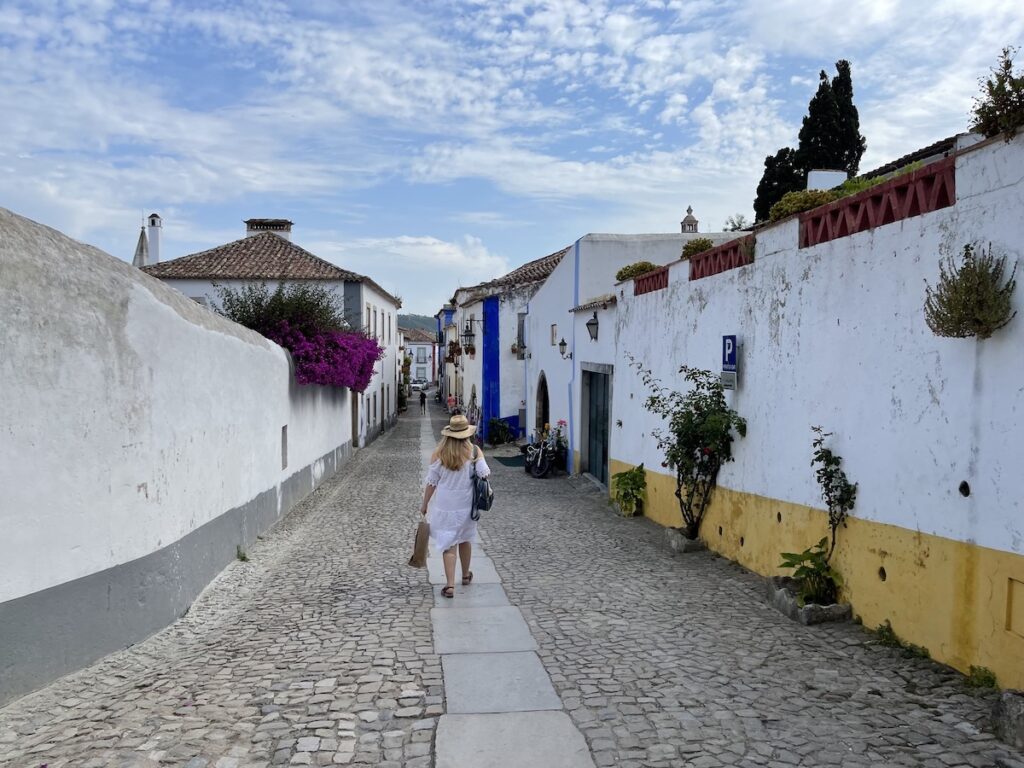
[729, 353]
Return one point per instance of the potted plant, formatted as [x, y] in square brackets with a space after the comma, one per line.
[628, 491]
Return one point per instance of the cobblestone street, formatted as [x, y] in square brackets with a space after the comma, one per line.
[319, 650]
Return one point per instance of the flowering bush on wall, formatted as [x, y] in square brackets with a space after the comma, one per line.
[307, 320]
[332, 358]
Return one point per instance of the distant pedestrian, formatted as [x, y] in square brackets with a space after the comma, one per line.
[423, 401]
[451, 403]
[450, 486]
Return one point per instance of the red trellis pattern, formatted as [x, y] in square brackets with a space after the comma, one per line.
[735, 253]
[652, 281]
[923, 191]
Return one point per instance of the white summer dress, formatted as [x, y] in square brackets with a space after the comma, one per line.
[449, 519]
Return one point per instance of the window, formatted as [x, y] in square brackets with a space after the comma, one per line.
[375, 324]
[521, 337]
[421, 373]
[554, 334]
[421, 354]
[367, 321]
[374, 411]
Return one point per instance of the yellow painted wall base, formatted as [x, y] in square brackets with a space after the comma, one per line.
[962, 602]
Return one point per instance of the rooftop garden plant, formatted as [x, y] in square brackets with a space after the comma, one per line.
[801, 200]
[636, 269]
[697, 245]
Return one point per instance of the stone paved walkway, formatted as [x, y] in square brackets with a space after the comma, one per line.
[319, 651]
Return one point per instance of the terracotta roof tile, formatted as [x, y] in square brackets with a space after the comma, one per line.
[418, 336]
[531, 271]
[265, 256]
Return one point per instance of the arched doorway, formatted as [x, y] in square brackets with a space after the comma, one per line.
[543, 406]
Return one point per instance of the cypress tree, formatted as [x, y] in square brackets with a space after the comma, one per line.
[829, 138]
[782, 174]
[821, 132]
[852, 143]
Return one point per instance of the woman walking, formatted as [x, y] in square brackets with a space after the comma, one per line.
[450, 485]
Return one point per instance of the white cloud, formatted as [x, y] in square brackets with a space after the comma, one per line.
[423, 270]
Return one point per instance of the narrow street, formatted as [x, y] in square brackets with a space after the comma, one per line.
[324, 648]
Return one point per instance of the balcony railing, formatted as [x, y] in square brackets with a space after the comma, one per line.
[912, 194]
[651, 281]
[730, 255]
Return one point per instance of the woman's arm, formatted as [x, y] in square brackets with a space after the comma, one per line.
[427, 493]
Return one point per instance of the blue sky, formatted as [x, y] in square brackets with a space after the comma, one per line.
[431, 144]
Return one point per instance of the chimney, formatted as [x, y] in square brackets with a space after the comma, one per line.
[825, 179]
[280, 227]
[689, 222]
[153, 238]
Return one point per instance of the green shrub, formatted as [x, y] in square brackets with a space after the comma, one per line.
[886, 635]
[630, 271]
[801, 200]
[972, 299]
[310, 308]
[629, 490]
[981, 677]
[699, 437]
[1000, 108]
[697, 245]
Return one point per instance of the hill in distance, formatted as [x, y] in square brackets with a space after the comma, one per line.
[421, 322]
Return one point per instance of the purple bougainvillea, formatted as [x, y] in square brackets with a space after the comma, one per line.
[331, 358]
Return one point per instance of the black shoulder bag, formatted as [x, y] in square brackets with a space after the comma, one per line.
[483, 496]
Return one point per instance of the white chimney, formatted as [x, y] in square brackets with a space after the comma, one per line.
[153, 238]
[825, 179]
[280, 227]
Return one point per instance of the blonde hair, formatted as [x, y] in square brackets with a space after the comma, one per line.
[452, 452]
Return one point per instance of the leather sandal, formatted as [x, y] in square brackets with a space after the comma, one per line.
[448, 592]
[467, 579]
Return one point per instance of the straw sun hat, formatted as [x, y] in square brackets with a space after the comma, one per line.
[459, 428]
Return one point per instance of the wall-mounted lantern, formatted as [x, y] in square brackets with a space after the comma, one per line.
[468, 337]
[592, 327]
[562, 346]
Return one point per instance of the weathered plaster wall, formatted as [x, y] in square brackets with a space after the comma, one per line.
[835, 335]
[142, 441]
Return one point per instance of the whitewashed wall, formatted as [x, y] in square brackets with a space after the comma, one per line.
[384, 383]
[587, 271]
[132, 418]
[835, 335]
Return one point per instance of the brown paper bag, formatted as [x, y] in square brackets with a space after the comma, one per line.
[419, 550]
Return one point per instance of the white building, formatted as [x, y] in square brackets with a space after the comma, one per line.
[484, 325]
[827, 307]
[568, 367]
[422, 347]
[267, 255]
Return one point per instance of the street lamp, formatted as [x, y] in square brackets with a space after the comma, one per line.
[562, 346]
[592, 327]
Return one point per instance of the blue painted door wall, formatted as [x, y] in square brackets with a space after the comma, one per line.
[490, 407]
